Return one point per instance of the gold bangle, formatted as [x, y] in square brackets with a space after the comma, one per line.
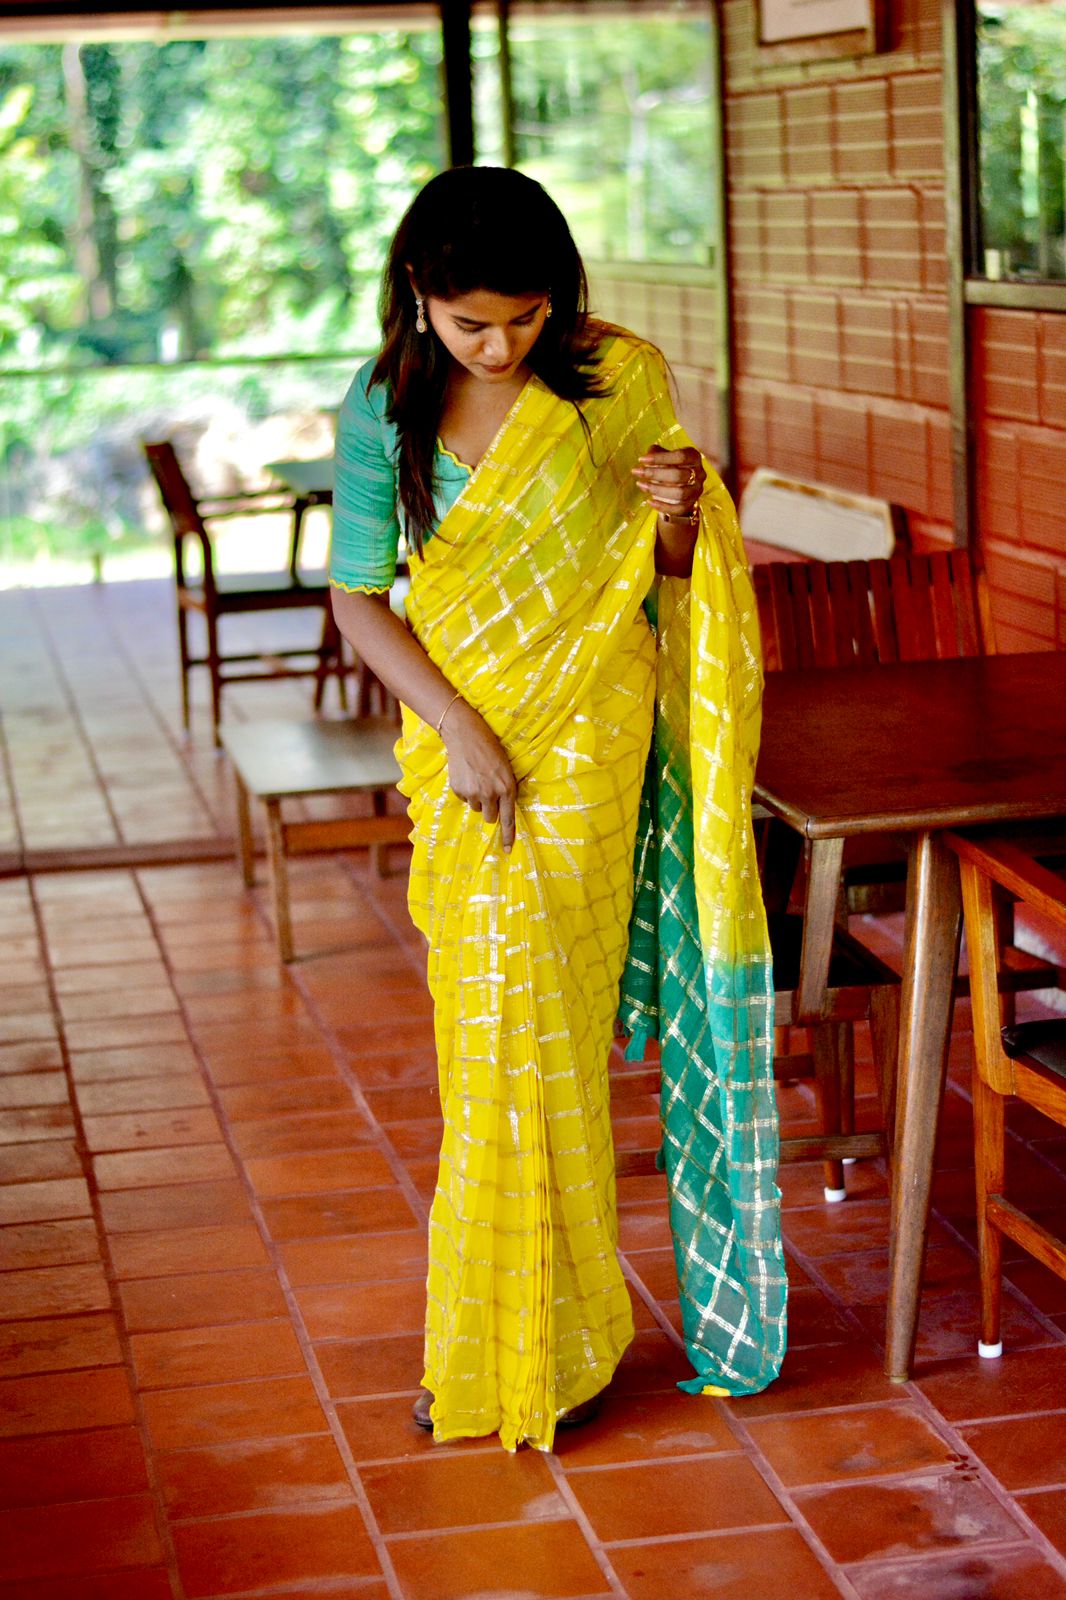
[447, 708]
[691, 518]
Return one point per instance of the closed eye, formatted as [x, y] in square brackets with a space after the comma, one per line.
[523, 321]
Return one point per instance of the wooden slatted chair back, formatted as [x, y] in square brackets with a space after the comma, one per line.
[862, 613]
[174, 488]
[198, 591]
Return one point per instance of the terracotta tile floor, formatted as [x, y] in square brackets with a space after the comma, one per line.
[215, 1177]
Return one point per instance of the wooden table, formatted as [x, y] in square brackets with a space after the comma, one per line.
[910, 749]
[312, 485]
[274, 761]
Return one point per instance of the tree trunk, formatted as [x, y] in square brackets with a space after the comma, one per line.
[98, 300]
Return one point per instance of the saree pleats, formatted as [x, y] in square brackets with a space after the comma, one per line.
[529, 599]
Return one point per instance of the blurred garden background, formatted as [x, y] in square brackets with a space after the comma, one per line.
[192, 232]
[192, 228]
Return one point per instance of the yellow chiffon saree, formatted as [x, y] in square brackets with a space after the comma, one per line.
[530, 599]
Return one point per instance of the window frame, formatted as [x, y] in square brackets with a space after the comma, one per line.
[960, 88]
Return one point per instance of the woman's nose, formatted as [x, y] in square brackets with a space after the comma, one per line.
[497, 345]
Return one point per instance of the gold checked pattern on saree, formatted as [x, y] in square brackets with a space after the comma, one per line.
[530, 600]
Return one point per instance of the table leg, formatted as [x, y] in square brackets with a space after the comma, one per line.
[930, 958]
[245, 844]
[299, 511]
[279, 878]
[819, 918]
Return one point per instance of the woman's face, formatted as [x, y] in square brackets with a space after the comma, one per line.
[488, 334]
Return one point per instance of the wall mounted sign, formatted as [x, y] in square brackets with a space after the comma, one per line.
[804, 30]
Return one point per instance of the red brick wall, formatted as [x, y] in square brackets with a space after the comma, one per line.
[837, 215]
[836, 211]
[1019, 360]
[682, 320]
[836, 208]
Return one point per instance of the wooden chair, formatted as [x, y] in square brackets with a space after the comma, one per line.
[214, 596]
[864, 613]
[860, 987]
[1026, 1060]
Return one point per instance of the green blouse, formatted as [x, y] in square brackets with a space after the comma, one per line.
[367, 525]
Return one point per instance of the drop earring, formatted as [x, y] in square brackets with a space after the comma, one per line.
[548, 307]
[420, 314]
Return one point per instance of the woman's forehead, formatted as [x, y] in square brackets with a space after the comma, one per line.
[485, 305]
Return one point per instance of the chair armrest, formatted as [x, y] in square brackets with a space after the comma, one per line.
[255, 503]
[1015, 871]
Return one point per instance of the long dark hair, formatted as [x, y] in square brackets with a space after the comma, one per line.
[474, 228]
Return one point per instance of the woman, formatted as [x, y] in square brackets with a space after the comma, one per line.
[547, 493]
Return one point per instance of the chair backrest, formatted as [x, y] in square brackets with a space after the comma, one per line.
[816, 521]
[175, 490]
[181, 507]
[861, 613]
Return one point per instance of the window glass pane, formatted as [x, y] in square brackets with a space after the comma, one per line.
[490, 135]
[1021, 60]
[204, 200]
[612, 113]
[221, 197]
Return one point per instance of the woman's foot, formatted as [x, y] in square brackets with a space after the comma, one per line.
[420, 1410]
[579, 1414]
[585, 1412]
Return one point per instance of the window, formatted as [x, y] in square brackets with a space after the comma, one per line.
[206, 197]
[611, 109]
[191, 241]
[1021, 139]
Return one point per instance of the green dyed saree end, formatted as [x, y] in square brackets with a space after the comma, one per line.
[639, 1031]
[712, 1383]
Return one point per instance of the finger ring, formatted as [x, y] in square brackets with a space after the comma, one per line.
[691, 479]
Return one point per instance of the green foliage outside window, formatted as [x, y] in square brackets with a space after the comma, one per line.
[207, 197]
[219, 198]
[612, 113]
[1021, 57]
[204, 201]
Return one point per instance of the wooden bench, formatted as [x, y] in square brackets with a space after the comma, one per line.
[274, 761]
[812, 520]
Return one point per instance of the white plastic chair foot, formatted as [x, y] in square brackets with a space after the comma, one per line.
[834, 1196]
[989, 1352]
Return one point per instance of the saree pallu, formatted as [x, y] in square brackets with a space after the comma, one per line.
[529, 598]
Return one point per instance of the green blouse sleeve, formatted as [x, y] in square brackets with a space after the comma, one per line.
[366, 531]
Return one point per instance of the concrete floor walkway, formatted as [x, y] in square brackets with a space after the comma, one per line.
[214, 1182]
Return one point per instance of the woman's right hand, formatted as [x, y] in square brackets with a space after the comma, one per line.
[478, 769]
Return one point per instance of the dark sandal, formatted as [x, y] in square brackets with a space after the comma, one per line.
[420, 1410]
[585, 1412]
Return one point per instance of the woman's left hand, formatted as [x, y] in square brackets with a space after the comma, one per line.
[672, 480]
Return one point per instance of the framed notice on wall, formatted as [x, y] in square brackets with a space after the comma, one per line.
[805, 30]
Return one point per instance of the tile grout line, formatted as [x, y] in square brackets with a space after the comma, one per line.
[940, 1424]
[179, 746]
[972, 1462]
[1009, 1288]
[417, 962]
[348, 1076]
[325, 1399]
[785, 1499]
[104, 1244]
